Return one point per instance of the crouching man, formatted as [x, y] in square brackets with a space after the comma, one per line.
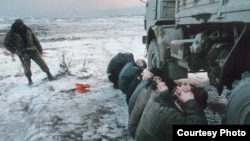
[185, 106]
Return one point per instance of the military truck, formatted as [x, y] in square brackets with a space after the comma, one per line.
[213, 36]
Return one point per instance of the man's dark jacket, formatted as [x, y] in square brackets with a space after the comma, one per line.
[160, 115]
[143, 84]
[129, 78]
[138, 108]
[116, 64]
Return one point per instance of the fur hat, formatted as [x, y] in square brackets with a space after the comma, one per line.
[200, 95]
[155, 71]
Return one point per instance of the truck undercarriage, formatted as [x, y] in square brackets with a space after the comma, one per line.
[215, 41]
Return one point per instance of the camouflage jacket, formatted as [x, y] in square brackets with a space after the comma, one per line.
[13, 41]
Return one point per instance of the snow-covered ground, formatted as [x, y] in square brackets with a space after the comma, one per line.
[77, 50]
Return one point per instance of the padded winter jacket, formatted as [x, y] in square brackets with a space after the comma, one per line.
[116, 64]
[128, 77]
[143, 84]
[138, 108]
[160, 115]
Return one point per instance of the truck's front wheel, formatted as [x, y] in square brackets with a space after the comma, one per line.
[153, 55]
[238, 108]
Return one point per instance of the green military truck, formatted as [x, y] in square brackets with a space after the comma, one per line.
[212, 36]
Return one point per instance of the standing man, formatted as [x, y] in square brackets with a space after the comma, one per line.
[22, 41]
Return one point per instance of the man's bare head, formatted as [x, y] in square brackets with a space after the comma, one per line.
[141, 63]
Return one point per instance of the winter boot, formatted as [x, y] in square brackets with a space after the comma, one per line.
[50, 77]
[30, 81]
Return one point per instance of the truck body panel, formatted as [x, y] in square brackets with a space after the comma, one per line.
[212, 11]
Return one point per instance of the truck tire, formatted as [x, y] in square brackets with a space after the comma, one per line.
[153, 55]
[238, 108]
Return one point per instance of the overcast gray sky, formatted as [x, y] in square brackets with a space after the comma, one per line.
[61, 7]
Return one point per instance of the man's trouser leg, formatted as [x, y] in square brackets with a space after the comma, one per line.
[37, 57]
[26, 67]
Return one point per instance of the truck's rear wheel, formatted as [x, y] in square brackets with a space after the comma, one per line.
[238, 108]
[153, 55]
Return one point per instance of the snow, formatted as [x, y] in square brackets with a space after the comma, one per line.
[48, 110]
